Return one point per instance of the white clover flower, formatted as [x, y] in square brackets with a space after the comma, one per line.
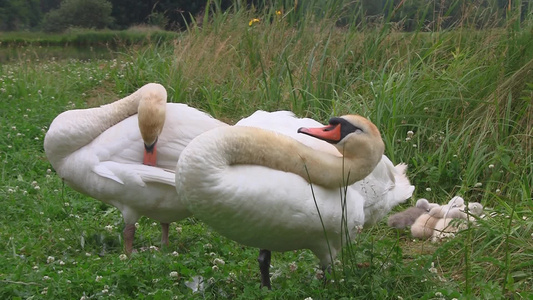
[491, 166]
[498, 191]
[105, 291]
[214, 268]
[35, 267]
[428, 189]
[438, 294]
[410, 133]
[137, 225]
[179, 229]
[173, 274]
[208, 246]
[407, 139]
[154, 224]
[109, 228]
[433, 269]
[50, 259]
[123, 257]
[61, 263]
[37, 187]
[46, 277]
[479, 184]
[319, 274]
[87, 254]
[293, 267]
[219, 261]
[98, 278]
[44, 291]
[175, 253]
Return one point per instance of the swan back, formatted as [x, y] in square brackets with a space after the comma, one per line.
[386, 187]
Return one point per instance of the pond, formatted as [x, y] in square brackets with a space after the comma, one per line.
[10, 54]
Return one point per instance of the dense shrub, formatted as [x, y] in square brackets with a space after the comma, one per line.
[79, 13]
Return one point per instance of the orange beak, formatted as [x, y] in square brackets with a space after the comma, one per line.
[330, 133]
[150, 155]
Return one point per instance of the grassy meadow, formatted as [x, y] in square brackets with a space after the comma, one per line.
[466, 95]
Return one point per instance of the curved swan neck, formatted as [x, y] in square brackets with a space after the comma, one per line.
[73, 129]
[246, 145]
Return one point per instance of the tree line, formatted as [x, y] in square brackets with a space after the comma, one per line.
[58, 15]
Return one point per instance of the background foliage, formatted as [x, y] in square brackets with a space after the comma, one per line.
[410, 15]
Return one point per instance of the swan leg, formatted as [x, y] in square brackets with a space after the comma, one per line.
[327, 273]
[164, 234]
[264, 267]
[129, 233]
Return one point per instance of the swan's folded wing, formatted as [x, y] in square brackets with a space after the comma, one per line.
[102, 170]
[157, 175]
[136, 174]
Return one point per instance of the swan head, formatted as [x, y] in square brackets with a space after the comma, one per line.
[422, 203]
[352, 135]
[475, 208]
[151, 116]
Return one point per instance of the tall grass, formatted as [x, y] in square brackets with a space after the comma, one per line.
[465, 93]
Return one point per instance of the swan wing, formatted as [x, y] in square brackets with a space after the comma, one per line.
[136, 174]
[103, 171]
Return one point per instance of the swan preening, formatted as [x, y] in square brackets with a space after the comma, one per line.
[99, 152]
[262, 188]
[253, 185]
[151, 118]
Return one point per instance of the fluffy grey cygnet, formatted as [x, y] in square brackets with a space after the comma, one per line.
[407, 217]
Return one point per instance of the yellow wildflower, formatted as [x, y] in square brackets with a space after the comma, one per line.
[252, 21]
[278, 12]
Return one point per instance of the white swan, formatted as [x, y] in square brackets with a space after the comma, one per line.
[99, 152]
[241, 197]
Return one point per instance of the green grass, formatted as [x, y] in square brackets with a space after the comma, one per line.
[466, 94]
[139, 35]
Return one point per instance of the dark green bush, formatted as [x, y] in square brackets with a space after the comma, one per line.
[79, 13]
